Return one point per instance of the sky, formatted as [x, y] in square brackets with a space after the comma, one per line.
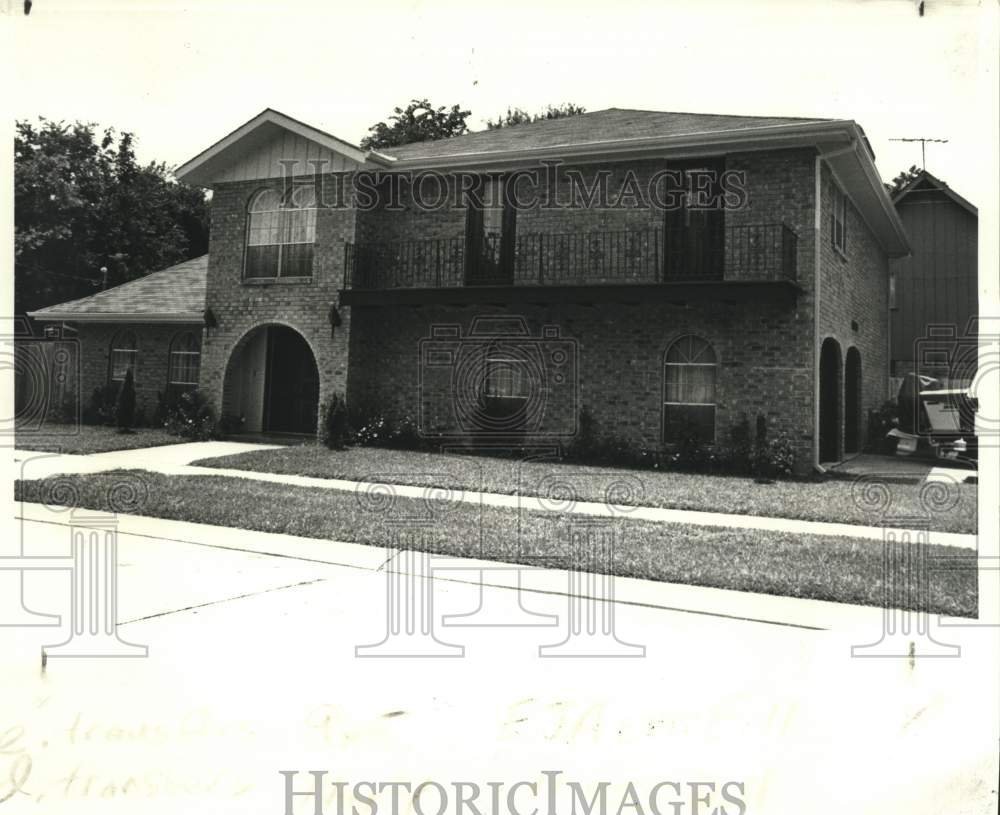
[181, 75]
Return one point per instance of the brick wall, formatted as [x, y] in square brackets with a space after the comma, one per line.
[764, 367]
[854, 292]
[150, 370]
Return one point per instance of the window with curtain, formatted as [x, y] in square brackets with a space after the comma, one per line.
[124, 352]
[281, 233]
[185, 362]
[689, 375]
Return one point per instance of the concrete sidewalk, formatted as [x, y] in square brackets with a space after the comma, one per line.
[724, 603]
[175, 460]
[253, 669]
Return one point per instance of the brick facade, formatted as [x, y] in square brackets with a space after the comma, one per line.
[242, 307]
[853, 310]
[151, 365]
[765, 345]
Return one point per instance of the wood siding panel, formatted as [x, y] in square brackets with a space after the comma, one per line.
[265, 161]
[938, 283]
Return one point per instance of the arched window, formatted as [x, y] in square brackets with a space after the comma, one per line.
[185, 362]
[281, 232]
[124, 351]
[689, 373]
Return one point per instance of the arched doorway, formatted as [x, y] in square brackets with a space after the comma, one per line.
[852, 401]
[830, 376]
[272, 382]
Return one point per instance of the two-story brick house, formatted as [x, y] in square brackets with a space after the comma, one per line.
[669, 274]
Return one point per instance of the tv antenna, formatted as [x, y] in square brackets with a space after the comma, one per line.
[923, 148]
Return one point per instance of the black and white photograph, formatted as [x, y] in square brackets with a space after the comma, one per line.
[438, 408]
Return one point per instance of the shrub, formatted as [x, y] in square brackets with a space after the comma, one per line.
[125, 404]
[372, 431]
[334, 429]
[101, 409]
[773, 458]
[190, 416]
[584, 445]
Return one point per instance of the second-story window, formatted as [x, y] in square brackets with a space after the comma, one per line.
[281, 233]
[838, 219]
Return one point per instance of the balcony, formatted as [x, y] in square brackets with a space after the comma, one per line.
[544, 267]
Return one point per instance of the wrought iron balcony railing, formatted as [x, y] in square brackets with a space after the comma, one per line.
[749, 253]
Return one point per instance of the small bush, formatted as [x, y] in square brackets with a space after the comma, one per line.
[334, 428]
[372, 432]
[125, 404]
[101, 409]
[773, 458]
[584, 445]
[190, 416]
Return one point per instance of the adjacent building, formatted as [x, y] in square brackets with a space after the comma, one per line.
[934, 296]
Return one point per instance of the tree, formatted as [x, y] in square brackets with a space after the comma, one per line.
[902, 180]
[518, 116]
[419, 121]
[125, 405]
[82, 201]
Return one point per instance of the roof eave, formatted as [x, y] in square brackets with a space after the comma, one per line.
[769, 137]
[186, 318]
[878, 210]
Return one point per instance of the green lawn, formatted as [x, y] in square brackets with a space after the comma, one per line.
[824, 568]
[832, 500]
[90, 439]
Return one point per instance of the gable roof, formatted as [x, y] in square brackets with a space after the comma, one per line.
[256, 132]
[926, 181]
[173, 295]
[611, 125]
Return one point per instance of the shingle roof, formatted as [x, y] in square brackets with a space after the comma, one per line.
[925, 180]
[174, 293]
[603, 125]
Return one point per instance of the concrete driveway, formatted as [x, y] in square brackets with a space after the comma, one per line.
[253, 669]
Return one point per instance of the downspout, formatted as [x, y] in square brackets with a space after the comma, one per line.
[817, 235]
[817, 282]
